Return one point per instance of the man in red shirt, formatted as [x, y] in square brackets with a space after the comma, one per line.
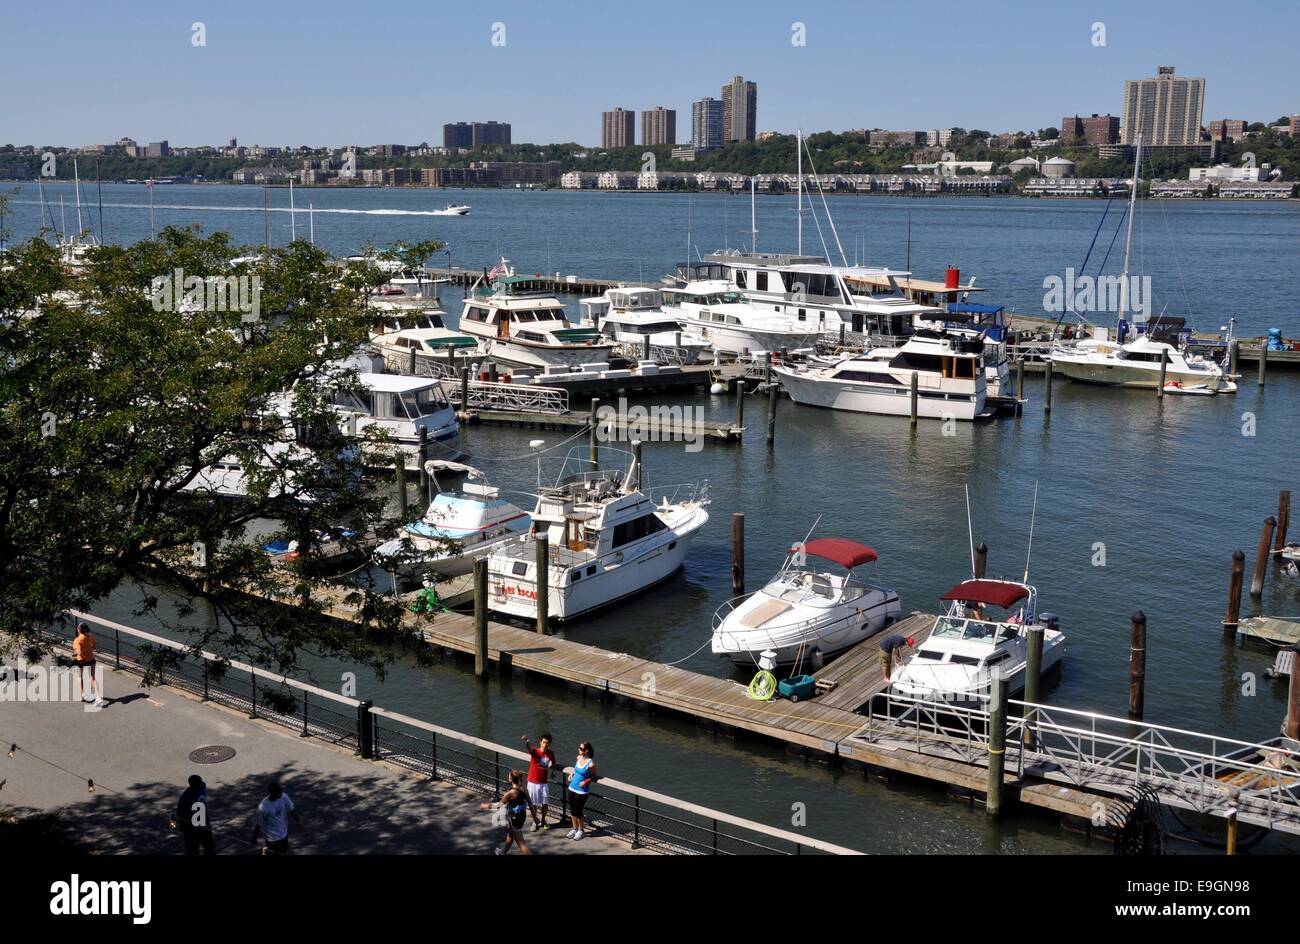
[540, 761]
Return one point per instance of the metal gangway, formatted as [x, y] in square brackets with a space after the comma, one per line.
[1190, 770]
[507, 397]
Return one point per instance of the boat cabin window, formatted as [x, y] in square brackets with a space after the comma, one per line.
[417, 403]
[518, 568]
[933, 655]
[351, 401]
[636, 529]
[475, 313]
[740, 278]
[530, 336]
[760, 281]
[955, 659]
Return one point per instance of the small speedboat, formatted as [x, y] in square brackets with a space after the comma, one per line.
[453, 209]
[458, 527]
[1179, 389]
[808, 610]
[967, 649]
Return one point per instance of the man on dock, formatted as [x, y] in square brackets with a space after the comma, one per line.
[891, 653]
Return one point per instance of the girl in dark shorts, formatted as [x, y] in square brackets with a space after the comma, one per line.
[517, 807]
[584, 775]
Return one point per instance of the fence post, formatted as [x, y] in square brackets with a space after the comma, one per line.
[997, 746]
[715, 837]
[117, 649]
[305, 732]
[434, 775]
[636, 822]
[205, 679]
[252, 675]
[366, 730]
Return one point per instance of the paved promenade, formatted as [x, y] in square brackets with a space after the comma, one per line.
[136, 750]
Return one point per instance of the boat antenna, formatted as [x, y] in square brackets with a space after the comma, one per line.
[798, 149]
[970, 533]
[293, 219]
[99, 188]
[1032, 516]
[753, 220]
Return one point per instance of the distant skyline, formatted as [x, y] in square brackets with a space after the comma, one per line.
[333, 73]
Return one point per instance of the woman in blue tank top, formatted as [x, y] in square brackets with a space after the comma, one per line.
[584, 775]
[515, 805]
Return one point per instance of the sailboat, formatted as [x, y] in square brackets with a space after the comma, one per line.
[1144, 361]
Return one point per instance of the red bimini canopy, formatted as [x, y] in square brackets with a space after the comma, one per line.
[996, 592]
[841, 551]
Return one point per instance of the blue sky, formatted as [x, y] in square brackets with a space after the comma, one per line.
[327, 72]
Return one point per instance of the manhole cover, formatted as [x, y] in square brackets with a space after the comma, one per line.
[213, 754]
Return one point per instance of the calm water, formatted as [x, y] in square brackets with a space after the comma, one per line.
[1169, 488]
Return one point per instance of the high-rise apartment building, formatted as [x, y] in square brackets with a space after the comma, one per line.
[706, 124]
[1227, 129]
[617, 128]
[490, 132]
[659, 126]
[1164, 110]
[739, 110]
[457, 135]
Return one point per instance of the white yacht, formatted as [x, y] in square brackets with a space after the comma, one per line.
[453, 209]
[715, 313]
[817, 293]
[966, 648]
[628, 314]
[1136, 363]
[400, 406]
[607, 540]
[457, 528]
[807, 610]
[948, 369]
[396, 331]
[986, 322]
[518, 323]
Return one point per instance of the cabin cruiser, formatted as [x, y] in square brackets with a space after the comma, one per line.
[812, 291]
[808, 610]
[966, 647]
[453, 209]
[227, 475]
[948, 370]
[457, 528]
[397, 331]
[1137, 363]
[714, 313]
[607, 541]
[399, 406]
[518, 323]
[986, 322]
[630, 314]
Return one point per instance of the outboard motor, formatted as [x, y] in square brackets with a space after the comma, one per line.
[1049, 621]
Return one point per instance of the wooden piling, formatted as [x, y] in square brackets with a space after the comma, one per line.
[464, 389]
[492, 372]
[1293, 698]
[1232, 831]
[841, 335]
[1234, 350]
[1020, 378]
[738, 554]
[1047, 388]
[481, 618]
[1137, 666]
[424, 457]
[997, 745]
[1283, 518]
[543, 562]
[1262, 556]
[1263, 361]
[399, 470]
[771, 404]
[740, 402]
[1234, 595]
[1164, 371]
[1033, 679]
[646, 356]
[593, 449]
[981, 559]
[767, 368]
[915, 394]
[410, 363]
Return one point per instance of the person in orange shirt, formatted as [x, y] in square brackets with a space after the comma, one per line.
[83, 653]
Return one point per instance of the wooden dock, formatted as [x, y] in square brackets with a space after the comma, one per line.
[1269, 629]
[652, 428]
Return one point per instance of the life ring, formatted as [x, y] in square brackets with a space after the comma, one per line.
[763, 686]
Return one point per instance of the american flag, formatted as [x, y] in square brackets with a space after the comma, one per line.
[496, 270]
[1015, 618]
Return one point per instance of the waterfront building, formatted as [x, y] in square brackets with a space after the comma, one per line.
[659, 126]
[617, 180]
[685, 153]
[510, 173]
[158, 149]
[938, 137]
[578, 180]
[1165, 109]
[617, 128]
[1095, 129]
[706, 124]
[739, 110]
[1225, 172]
[880, 138]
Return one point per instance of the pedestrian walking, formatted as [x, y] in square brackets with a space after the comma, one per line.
[191, 818]
[271, 820]
[83, 654]
[516, 805]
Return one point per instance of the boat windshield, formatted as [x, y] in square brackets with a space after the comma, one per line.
[795, 585]
[974, 630]
[419, 403]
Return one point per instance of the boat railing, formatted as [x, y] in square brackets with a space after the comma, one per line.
[1206, 773]
[619, 810]
[519, 398]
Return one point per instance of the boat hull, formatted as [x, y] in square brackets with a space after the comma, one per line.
[1143, 378]
[835, 636]
[857, 397]
[530, 356]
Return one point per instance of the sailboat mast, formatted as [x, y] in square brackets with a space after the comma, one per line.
[753, 219]
[293, 220]
[798, 185]
[76, 178]
[1128, 238]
